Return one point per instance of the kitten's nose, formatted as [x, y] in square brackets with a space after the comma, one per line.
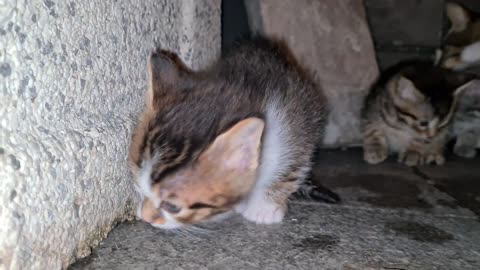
[431, 133]
[151, 214]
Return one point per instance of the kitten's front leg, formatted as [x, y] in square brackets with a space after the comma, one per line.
[411, 158]
[268, 205]
[261, 208]
[423, 152]
[434, 149]
[375, 147]
[465, 144]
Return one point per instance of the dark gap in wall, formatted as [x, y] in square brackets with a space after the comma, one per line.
[406, 29]
[234, 23]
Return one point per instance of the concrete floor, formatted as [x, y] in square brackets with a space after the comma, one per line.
[391, 217]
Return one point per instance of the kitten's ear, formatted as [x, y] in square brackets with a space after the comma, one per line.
[166, 74]
[458, 16]
[239, 147]
[406, 90]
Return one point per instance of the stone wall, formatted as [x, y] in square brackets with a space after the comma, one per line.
[73, 79]
[331, 38]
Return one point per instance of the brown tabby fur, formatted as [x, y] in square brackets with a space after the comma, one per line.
[409, 111]
[237, 136]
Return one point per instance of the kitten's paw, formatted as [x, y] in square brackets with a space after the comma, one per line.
[438, 159]
[262, 211]
[465, 151]
[375, 155]
[411, 158]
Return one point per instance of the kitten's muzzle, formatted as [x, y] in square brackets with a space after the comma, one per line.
[149, 213]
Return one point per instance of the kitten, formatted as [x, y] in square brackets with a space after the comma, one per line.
[466, 122]
[462, 52]
[462, 43]
[237, 136]
[408, 112]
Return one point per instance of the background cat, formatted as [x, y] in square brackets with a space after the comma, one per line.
[408, 112]
[466, 122]
[239, 135]
[461, 48]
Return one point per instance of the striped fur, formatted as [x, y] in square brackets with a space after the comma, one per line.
[195, 147]
[408, 112]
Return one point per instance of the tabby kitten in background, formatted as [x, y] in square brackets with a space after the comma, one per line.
[237, 136]
[466, 122]
[408, 112]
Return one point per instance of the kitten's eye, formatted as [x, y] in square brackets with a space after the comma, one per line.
[405, 114]
[170, 207]
[423, 123]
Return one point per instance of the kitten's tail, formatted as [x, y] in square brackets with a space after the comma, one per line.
[317, 192]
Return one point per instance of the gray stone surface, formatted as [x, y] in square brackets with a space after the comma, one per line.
[331, 39]
[72, 82]
[391, 217]
[407, 22]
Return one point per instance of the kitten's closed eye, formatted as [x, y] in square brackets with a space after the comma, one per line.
[170, 207]
[405, 113]
[201, 205]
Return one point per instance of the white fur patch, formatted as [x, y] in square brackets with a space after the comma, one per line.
[145, 182]
[275, 151]
[275, 158]
[138, 213]
[471, 53]
[170, 222]
[260, 210]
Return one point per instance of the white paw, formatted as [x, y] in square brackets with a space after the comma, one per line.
[261, 211]
[375, 155]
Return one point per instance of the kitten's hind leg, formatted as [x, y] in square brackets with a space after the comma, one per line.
[465, 144]
[375, 148]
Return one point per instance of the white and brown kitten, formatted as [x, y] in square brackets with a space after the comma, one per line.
[461, 48]
[466, 122]
[237, 136]
[408, 112]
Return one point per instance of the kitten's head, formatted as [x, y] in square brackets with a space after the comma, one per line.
[185, 180]
[424, 98]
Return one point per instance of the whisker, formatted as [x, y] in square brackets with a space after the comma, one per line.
[199, 230]
[179, 232]
[187, 233]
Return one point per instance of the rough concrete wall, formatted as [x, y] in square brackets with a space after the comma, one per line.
[330, 38]
[72, 79]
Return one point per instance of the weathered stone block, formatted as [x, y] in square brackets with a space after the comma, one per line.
[73, 77]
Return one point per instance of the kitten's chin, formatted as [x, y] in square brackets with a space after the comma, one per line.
[162, 221]
[171, 223]
[168, 225]
[168, 222]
